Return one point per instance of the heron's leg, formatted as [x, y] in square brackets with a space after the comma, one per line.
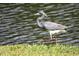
[50, 35]
[55, 39]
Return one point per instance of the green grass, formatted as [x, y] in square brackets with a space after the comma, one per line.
[39, 50]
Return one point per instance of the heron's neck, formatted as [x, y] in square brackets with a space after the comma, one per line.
[40, 21]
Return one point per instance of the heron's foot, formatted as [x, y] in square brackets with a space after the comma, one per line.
[53, 39]
[49, 40]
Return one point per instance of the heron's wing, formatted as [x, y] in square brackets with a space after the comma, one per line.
[53, 26]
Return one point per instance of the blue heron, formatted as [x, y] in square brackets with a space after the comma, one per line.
[52, 27]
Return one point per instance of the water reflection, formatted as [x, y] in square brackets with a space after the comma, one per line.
[18, 23]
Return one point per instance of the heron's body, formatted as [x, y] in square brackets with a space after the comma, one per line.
[53, 26]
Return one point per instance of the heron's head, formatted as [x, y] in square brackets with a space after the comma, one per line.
[41, 12]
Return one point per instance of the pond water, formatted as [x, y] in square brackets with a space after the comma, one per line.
[18, 22]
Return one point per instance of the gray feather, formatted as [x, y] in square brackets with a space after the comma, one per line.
[53, 26]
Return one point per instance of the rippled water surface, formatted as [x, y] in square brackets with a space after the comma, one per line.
[18, 23]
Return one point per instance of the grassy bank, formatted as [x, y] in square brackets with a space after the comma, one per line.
[38, 50]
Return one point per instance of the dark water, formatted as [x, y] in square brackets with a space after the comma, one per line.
[18, 23]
